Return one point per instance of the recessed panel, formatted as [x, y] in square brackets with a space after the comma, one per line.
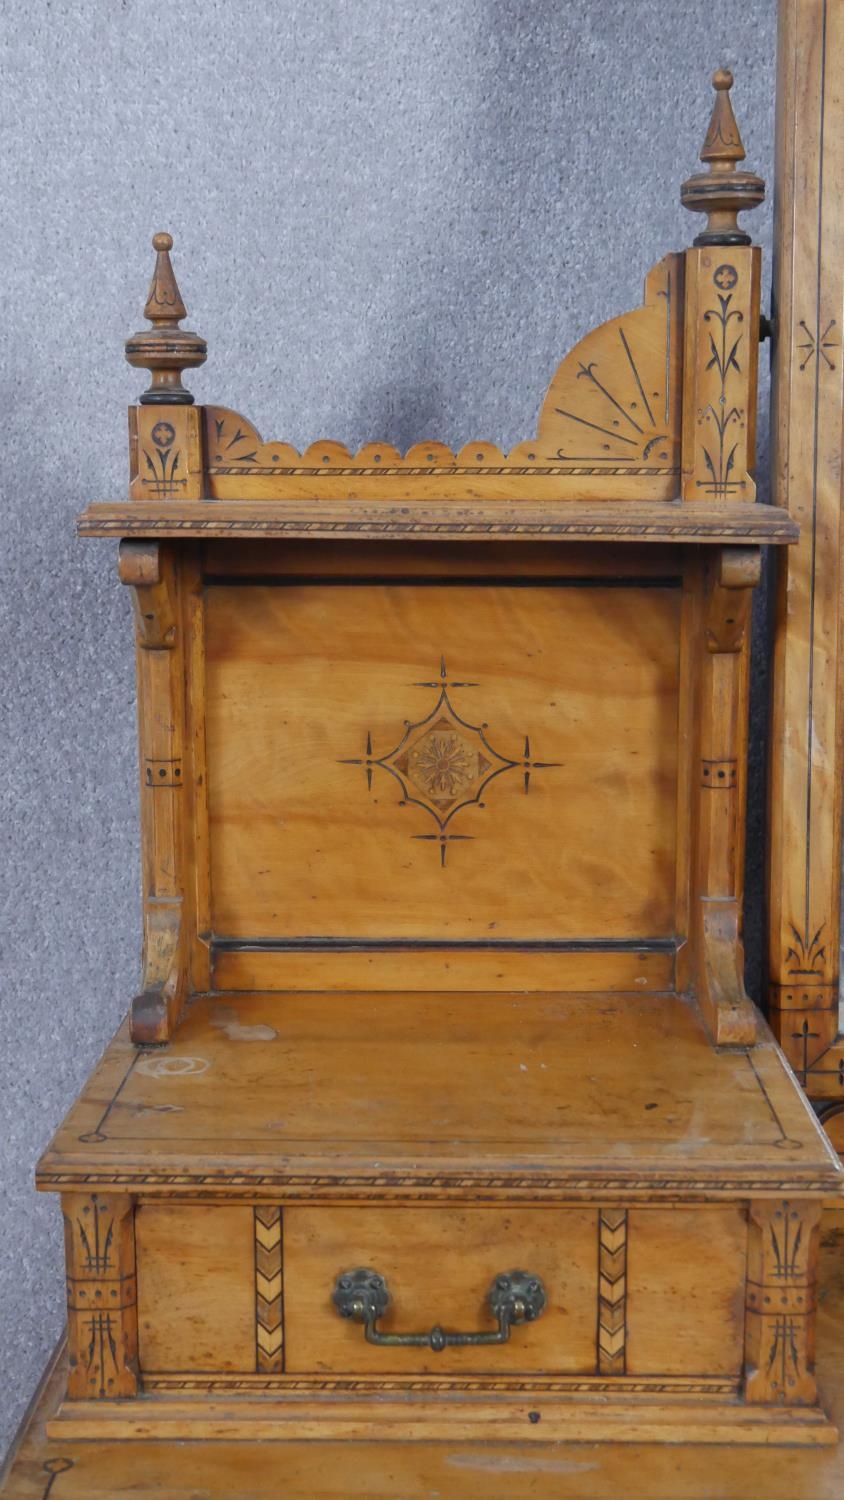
[442, 762]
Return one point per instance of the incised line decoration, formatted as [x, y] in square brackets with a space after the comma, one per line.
[724, 341]
[443, 763]
[161, 472]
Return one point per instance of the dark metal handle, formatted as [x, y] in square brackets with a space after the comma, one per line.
[362, 1295]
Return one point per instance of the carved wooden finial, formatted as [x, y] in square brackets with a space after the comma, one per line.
[165, 349]
[722, 192]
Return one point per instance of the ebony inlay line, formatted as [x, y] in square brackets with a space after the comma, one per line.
[341, 581]
[470, 945]
[311, 580]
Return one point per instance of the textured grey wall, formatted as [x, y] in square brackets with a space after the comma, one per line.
[392, 218]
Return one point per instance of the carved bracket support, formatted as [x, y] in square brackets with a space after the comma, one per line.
[101, 1296]
[780, 1307]
[730, 580]
[149, 570]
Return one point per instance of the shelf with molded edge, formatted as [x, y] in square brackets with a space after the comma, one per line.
[626, 521]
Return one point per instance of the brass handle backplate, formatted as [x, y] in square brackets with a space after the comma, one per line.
[362, 1295]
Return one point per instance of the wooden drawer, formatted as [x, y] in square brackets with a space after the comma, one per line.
[439, 1265]
[232, 1293]
[674, 1284]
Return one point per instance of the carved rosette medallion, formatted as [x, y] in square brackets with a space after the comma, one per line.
[443, 763]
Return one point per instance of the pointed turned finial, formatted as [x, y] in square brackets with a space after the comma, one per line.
[165, 349]
[722, 192]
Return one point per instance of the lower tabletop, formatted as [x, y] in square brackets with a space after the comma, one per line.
[41, 1469]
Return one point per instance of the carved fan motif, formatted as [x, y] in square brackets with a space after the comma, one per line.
[614, 402]
[609, 429]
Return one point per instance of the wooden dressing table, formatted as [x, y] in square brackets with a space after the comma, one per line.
[442, 1110]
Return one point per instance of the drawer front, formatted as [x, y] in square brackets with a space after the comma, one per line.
[239, 1296]
[439, 1265]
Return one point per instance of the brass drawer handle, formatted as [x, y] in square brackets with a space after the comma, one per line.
[362, 1295]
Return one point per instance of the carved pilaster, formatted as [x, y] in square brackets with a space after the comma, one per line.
[721, 372]
[150, 570]
[731, 577]
[102, 1309]
[780, 1326]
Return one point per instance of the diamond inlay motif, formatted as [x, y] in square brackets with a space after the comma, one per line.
[443, 763]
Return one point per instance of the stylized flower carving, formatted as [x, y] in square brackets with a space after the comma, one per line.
[443, 764]
[725, 278]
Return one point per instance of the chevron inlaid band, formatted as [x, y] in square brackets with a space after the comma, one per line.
[612, 1291]
[269, 1326]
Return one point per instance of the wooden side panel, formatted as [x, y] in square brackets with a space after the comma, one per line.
[807, 740]
[685, 1302]
[439, 1265]
[196, 1287]
[443, 763]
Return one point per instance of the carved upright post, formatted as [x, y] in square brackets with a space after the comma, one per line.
[732, 574]
[721, 335]
[149, 569]
[165, 431]
[807, 736]
[723, 273]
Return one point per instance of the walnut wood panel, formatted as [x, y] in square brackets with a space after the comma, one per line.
[807, 739]
[439, 763]
[196, 1287]
[685, 1304]
[439, 1265]
[429, 1097]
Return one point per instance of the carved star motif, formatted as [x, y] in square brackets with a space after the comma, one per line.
[443, 763]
